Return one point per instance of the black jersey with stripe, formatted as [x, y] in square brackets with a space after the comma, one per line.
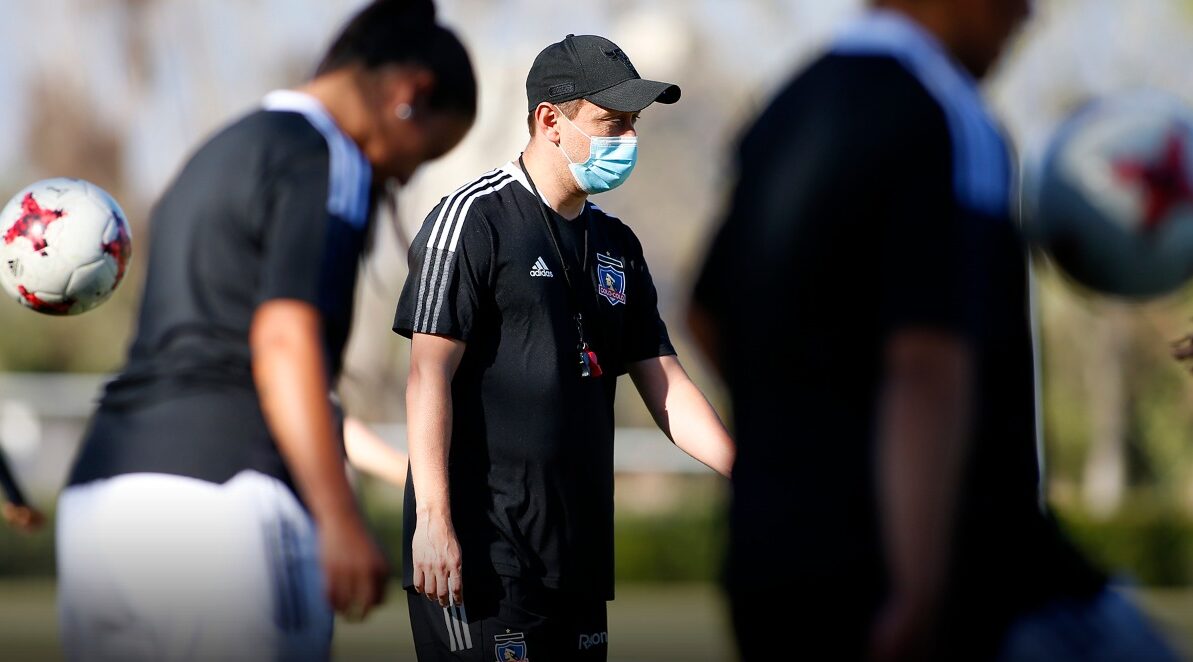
[873, 196]
[274, 206]
[531, 461]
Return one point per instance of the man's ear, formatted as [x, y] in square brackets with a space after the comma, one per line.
[546, 118]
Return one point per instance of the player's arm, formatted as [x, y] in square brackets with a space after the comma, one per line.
[289, 372]
[930, 306]
[923, 433]
[682, 412]
[369, 453]
[16, 510]
[438, 334]
[435, 550]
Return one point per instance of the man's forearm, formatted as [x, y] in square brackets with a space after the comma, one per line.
[434, 550]
[922, 443]
[289, 374]
[697, 430]
[683, 413]
[429, 428]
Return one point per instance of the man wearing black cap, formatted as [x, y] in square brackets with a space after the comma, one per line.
[524, 304]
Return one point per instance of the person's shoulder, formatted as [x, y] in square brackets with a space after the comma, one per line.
[613, 226]
[865, 90]
[835, 69]
[845, 103]
[287, 133]
[878, 73]
[601, 215]
[258, 146]
[268, 144]
[475, 205]
[495, 193]
[478, 195]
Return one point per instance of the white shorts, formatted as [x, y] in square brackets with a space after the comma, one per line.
[160, 567]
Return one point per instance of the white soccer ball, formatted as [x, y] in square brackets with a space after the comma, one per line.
[64, 246]
[1114, 201]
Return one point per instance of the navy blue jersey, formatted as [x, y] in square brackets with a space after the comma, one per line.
[874, 195]
[275, 206]
[531, 463]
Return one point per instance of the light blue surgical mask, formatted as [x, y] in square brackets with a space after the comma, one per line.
[610, 161]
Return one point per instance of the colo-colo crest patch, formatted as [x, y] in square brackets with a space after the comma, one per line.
[611, 279]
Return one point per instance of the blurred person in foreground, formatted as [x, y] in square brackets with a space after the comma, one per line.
[208, 514]
[524, 304]
[886, 498]
[15, 510]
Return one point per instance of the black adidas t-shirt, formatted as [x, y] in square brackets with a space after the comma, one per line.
[858, 214]
[531, 462]
[274, 206]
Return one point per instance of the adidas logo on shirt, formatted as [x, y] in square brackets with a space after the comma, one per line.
[539, 268]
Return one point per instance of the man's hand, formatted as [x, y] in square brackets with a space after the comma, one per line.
[353, 567]
[22, 518]
[436, 556]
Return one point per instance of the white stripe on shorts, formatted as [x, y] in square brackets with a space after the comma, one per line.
[455, 619]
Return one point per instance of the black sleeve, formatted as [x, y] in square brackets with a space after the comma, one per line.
[646, 334]
[449, 277]
[931, 255]
[295, 231]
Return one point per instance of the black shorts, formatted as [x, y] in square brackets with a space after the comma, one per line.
[510, 620]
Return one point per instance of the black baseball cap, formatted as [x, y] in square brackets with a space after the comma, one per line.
[593, 68]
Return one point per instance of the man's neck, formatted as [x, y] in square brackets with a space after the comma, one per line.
[935, 18]
[556, 185]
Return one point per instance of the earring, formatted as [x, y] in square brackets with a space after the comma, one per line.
[404, 111]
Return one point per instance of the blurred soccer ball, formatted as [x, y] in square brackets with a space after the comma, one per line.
[65, 246]
[1114, 202]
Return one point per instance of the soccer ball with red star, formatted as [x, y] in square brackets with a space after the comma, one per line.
[64, 246]
[1114, 200]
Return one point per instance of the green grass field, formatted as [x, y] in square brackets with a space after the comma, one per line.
[664, 623]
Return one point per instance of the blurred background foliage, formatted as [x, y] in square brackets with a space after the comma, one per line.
[120, 91]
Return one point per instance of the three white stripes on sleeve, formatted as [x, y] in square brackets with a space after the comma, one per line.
[438, 259]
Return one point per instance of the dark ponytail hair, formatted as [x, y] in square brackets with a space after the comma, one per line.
[405, 32]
